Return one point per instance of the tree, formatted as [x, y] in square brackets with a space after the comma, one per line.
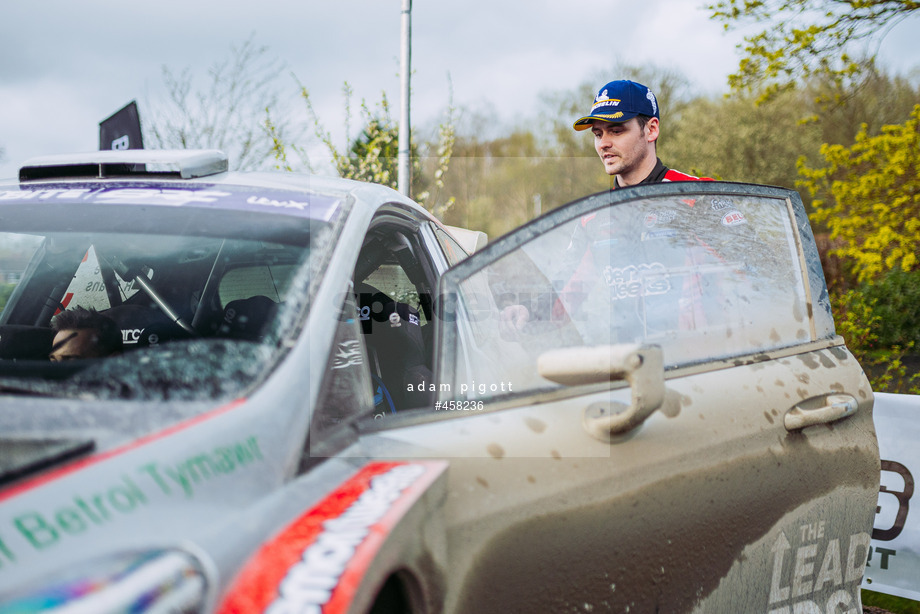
[804, 38]
[736, 139]
[224, 113]
[868, 196]
[739, 139]
[373, 154]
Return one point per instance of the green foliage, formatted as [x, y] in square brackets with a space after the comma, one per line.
[374, 154]
[896, 605]
[859, 321]
[501, 183]
[804, 38]
[738, 140]
[727, 138]
[868, 195]
[503, 177]
[896, 300]
[741, 139]
[5, 291]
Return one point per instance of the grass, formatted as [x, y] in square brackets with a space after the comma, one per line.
[896, 605]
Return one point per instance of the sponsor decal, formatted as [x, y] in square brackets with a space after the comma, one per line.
[814, 564]
[658, 234]
[664, 216]
[606, 102]
[721, 203]
[601, 100]
[160, 196]
[270, 202]
[894, 555]
[131, 336]
[139, 196]
[312, 205]
[733, 218]
[413, 319]
[651, 99]
[633, 281]
[93, 509]
[317, 563]
[44, 194]
[347, 354]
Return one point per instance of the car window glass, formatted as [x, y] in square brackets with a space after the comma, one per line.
[392, 280]
[452, 249]
[706, 278]
[87, 288]
[265, 280]
[179, 340]
[346, 389]
[15, 254]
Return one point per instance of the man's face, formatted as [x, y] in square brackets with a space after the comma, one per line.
[71, 344]
[625, 148]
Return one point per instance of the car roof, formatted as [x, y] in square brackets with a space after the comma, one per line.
[195, 167]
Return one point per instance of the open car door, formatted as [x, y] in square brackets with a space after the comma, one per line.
[656, 410]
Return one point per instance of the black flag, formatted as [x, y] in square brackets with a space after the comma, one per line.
[122, 130]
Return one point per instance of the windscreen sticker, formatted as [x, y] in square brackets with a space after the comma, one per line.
[304, 204]
[317, 563]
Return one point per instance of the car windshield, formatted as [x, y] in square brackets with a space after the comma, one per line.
[705, 276]
[199, 285]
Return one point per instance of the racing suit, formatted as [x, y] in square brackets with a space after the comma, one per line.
[662, 173]
[636, 259]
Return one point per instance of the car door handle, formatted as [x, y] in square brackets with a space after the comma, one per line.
[820, 410]
[642, 366]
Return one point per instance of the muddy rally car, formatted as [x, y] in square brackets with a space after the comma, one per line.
[315, 401]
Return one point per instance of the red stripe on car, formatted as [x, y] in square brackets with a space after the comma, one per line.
[318, 562]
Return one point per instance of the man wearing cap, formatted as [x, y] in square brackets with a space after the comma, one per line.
[625, 123]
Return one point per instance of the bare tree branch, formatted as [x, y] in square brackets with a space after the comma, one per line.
[227, 112]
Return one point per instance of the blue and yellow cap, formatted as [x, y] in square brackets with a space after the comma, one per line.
[620, 101]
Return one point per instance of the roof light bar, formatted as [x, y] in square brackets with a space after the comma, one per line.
[183, 163]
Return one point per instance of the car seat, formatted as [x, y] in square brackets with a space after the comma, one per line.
[396, 349]
[143, 326]
[248, 318]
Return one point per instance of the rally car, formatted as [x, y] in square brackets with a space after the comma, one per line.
[321, 403]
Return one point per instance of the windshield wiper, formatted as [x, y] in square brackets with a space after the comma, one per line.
[21, 456]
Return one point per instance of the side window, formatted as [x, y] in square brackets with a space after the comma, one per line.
[345, 392]
[395, 311]
[452, 249]
[16, 253]
[391, 279]
[706, 277]
[246, 281]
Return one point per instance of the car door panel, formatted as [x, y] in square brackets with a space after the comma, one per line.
[751, 488]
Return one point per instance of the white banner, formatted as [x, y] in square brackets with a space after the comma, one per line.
[894, 558]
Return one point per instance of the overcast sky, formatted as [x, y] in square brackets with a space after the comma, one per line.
[66, 65]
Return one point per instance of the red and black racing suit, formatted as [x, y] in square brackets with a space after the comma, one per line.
[633, 256]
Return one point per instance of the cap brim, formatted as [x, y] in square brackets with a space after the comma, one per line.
[614, 118]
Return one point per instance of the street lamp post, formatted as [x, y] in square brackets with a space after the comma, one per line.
[404, 176]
